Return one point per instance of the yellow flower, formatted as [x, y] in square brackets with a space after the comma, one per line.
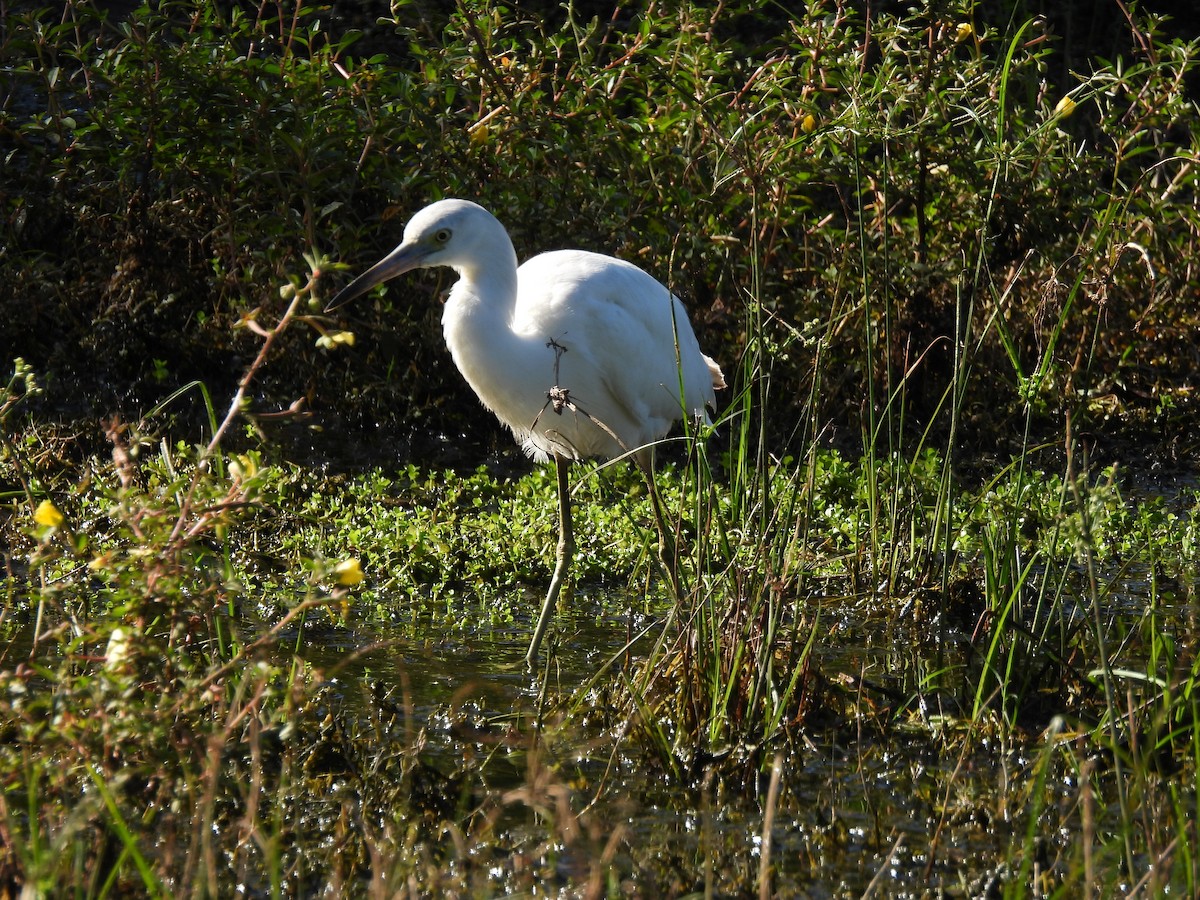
[808, 123]
[47, 514]
[1065, 106]
[334, 338]
[479, 135]
[348, 572]
[242, 467]
[965, 30]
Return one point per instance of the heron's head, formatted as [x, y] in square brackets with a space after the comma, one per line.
[458, 234]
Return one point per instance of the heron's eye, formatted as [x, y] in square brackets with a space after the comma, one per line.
[442, 235]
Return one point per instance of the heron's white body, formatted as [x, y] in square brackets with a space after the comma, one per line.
[580, 354]
[602, 330]
[612, 344]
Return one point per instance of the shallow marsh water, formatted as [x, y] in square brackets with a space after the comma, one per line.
[891, 785]
[900, 803]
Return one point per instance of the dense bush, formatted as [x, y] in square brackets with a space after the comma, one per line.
[932, 198]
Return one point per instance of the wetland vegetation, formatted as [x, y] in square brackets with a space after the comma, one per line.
[271, 571]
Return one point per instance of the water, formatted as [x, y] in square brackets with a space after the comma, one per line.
[903, 796]
[887, 781]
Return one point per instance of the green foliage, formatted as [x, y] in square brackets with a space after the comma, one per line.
[909, 238]
[929, 208]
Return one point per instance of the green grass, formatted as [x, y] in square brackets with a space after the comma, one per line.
[1013, 659]
[927, 619]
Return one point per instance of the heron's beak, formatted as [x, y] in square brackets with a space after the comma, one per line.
[403, 259]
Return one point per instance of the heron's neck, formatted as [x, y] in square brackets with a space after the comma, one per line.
[482, 296]
[477, 323]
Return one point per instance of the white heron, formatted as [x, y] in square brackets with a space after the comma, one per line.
[582, 355]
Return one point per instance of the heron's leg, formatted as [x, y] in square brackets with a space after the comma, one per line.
[566, 547]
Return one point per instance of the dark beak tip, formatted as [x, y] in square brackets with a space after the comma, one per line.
[350, 292]
[399, 261]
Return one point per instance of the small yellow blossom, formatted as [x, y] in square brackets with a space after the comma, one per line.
[1065, 106]
[479, 135]
[242, 467]
[332, 339]
[964, 31]
[348, 572]
[808, 124]
[47, 514]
